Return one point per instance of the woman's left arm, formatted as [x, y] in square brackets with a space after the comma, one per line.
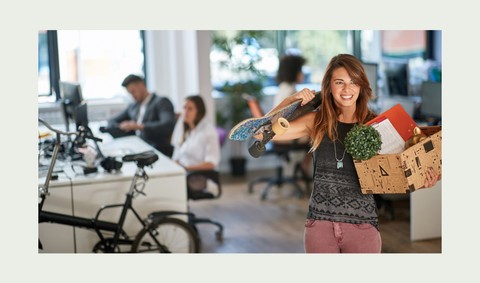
[202, 166]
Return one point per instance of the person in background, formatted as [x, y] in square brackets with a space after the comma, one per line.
[195, 139]
[290, 74]
[150, 116]
[340, 219]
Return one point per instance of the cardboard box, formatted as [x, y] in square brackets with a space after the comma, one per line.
[402, 172]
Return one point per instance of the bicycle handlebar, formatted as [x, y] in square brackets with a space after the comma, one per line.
[81, 135]
[83, 131]
[55, 130]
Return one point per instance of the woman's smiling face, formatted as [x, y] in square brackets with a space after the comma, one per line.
[344, 90]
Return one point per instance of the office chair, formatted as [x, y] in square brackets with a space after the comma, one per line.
[205, 185]
[282, 150]
[386, 204]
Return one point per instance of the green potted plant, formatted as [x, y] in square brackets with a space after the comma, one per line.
[363, 142]
[239, 53]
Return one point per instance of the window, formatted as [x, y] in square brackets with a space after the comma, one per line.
[318, 47]
[370, 46]
[98, 60]
[241, 55]
[44, 86]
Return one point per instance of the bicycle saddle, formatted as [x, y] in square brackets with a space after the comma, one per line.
[142, 159]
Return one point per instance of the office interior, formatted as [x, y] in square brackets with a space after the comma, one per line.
[403, 66]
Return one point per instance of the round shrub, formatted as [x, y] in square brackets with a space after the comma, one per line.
[363, 142]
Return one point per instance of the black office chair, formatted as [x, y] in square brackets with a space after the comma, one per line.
[282, 150]
[207, 193]
[386, 204]
[205, 185]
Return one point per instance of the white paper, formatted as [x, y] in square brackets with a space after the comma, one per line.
[392, 142]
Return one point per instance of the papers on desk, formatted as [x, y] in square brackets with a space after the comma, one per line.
[120, 147]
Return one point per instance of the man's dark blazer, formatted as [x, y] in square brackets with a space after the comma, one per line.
[159, 121]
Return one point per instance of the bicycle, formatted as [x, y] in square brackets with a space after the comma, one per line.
[161, 231]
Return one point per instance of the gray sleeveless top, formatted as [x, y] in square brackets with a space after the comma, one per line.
[336, 195]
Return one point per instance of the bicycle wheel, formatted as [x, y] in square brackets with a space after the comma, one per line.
[170, 235]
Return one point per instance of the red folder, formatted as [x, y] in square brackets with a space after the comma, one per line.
[401, 121]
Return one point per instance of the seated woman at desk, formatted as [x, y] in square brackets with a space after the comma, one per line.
[195, 140]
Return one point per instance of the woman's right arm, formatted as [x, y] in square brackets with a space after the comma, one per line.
[301, 126]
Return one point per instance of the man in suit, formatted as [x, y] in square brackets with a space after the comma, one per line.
[150, 116]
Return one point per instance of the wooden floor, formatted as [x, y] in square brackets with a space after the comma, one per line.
[275, 225]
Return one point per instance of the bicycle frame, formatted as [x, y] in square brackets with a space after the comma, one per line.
[99, 225]
[112, 244]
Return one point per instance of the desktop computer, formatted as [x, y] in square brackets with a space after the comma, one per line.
[431, 107]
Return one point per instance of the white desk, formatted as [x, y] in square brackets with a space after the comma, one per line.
[426, 213]
[82, 195]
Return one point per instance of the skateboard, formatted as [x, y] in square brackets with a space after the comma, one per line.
[272, 123]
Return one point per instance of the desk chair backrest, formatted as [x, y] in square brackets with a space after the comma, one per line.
[198, 186]
[199, 183]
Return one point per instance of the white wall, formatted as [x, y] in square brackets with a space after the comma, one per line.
[178, 65]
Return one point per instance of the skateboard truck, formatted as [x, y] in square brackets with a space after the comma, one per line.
[258, 147]
[279, 127]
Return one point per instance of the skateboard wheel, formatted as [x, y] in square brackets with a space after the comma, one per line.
[256, 149]
[280, 126]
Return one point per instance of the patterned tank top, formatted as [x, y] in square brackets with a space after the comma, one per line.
[336, 195]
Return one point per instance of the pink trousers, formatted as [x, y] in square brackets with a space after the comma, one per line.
[337, 237]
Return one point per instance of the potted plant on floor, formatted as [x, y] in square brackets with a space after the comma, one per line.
[239, 56]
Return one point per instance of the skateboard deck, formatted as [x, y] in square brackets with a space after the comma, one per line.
[265, 125]
[247, 128]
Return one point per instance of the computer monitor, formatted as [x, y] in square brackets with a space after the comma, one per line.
[81, 115]
[431, 107]
[371, 69]
[396, 74]
[71, 97]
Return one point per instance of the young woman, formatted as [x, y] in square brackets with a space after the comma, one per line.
[195, 140]
[340, 218]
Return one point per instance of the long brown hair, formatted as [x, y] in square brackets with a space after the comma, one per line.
[197, 100]
[325, 121]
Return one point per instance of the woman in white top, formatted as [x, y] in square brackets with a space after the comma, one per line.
[288, 75]
[195, 140]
